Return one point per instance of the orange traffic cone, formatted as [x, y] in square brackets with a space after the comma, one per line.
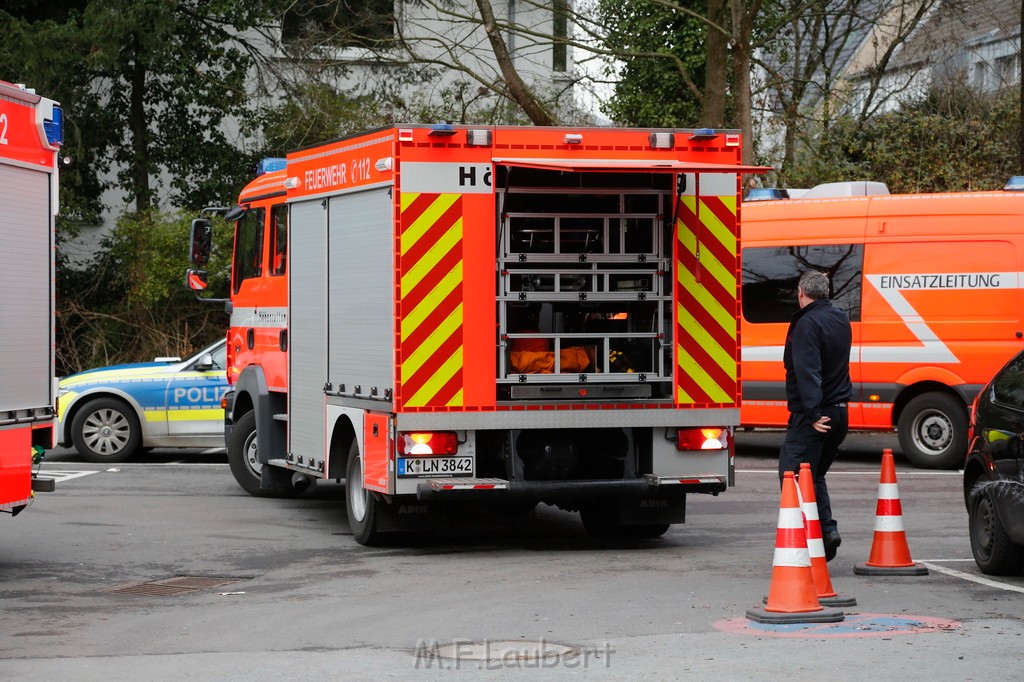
[792, 597]
[827, 595]
[890, 554]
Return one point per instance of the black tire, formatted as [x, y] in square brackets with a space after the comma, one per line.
[932, 431]
[242, 449]
[993, 550]
[601, 521]
[106, 430]
[360, 503]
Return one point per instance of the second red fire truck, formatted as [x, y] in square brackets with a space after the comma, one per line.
[501, 315]
[31, 133]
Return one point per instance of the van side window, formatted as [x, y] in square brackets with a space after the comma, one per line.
[279, 239]
[1009, 384]
[770, 275]
[248, 247]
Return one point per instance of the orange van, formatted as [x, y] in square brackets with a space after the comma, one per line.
[932, 284]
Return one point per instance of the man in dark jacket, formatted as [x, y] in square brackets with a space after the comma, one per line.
[818, 387]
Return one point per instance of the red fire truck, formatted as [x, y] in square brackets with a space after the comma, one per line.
[31, 133]
[444, 315]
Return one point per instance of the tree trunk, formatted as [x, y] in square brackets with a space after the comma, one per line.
[712, 114]
[742, 26]
[518, 90]
[139, 126]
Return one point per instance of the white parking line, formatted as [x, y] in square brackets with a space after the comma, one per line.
[873, 472]
[974, 578]
[60, 475]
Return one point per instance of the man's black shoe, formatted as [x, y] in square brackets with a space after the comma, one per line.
[832, 541]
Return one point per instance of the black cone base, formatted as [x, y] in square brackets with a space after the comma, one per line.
[826, 615]
[916, 569]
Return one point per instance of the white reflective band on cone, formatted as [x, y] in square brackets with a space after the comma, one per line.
[790, 517]
[791, 556]
[888, 491]
[811, 511]
[816, 547]
[889, 524]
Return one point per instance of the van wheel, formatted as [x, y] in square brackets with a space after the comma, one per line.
[360, 503]
[933, 431]
[993, 550]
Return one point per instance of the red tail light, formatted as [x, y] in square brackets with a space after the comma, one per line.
[702, 439]
[427, 443]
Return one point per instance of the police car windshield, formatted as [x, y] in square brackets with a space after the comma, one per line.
[217, 351]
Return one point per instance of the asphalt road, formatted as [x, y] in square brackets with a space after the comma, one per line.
[307, 602]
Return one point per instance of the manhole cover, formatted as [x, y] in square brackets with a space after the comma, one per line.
[171, 586]
[505, 652]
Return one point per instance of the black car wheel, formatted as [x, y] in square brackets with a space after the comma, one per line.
[106, 430]
[932, 431]
[993, 550]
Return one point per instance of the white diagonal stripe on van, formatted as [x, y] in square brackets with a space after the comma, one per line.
[931, 349]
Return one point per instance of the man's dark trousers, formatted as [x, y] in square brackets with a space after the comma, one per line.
[804, 444]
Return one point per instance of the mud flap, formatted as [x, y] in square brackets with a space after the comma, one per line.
[407, 515]
[660, 507]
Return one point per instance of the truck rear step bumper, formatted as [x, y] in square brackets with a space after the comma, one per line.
[495, 488]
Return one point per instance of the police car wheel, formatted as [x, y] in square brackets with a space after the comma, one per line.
[242, 449]
[106, 430]
[932, 431]
[360, 503]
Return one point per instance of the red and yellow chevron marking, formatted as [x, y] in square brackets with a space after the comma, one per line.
[707, 264]
[430, 261]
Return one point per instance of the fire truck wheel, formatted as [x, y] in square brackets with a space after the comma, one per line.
[602, 521]
[106, 430]
[360, 503]
[932, 431]
[245, 466]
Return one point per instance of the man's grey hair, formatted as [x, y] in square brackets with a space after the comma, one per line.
[814, 285]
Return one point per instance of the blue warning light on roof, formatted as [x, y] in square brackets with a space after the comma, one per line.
[269, 165]
[54, 127]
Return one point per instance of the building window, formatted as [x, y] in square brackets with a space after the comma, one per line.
[1006, 67]
[560, 33]
[339, 23]
[978, 77]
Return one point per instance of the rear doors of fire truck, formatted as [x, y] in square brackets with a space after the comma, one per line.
[26, 360]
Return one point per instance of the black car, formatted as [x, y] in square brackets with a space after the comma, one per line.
[994, 472]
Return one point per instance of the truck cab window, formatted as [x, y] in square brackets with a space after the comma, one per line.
[248, 247]
[770, 275]
[279, 239]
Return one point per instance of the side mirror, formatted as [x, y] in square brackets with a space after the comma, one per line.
[234, 213]
[196, 280]
[200, 241]
[204, 364]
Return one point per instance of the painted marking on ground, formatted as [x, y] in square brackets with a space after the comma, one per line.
[855, 625]
[974, 578]
[866, 472]
[60, 475]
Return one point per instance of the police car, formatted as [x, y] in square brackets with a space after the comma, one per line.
[110, 413]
